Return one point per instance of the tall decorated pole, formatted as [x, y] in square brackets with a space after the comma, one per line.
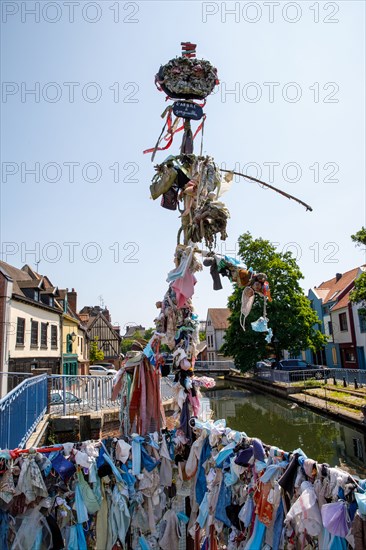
[192, 184]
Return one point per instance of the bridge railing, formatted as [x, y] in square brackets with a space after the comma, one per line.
[21, 410]
[214, 366]
[326, 374]
[9, 380]
[77, 394]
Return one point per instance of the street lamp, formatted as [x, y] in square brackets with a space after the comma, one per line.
[275, 343]
[73, 336]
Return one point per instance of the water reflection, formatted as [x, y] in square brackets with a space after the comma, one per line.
[288, 426]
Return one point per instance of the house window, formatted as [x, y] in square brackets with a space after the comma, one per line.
[53, 337]
[343, 322]
[334, 356]
[330, 327]
[36, 295]
[362, 319]
[44, 335]
[34, 334]
[20, 331]
[81, 345]
[349, 356]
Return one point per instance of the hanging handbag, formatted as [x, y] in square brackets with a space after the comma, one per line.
[169, 199]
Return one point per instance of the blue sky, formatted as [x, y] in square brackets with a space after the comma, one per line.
[295, 117]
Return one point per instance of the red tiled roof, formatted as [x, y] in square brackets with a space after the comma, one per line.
[219, 317]
[343, 302]
[335, 287]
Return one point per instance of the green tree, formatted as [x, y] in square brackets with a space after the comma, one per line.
[148, 333]
[126, 345]
[358, 294]
[95, 354]
[294, 323]
[202, 336]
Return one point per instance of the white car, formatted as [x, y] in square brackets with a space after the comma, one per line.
[99, 369]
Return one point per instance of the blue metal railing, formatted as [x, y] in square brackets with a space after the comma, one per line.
[21, 410]
[9, 380]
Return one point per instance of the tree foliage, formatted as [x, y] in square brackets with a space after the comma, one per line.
[358, 294]
[294, 323]
[126, 345]
[148, 333]
[360, 237]
[95, 354]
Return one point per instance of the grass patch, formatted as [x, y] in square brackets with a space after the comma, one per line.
[339, 397]
[307, 384]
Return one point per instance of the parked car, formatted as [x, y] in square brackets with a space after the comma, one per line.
[73, 403]
[266, 363]
[292, 365]
[101, 370]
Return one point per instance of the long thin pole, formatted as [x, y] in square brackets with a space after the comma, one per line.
[270, 187]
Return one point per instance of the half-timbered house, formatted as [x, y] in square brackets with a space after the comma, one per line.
[97, 322]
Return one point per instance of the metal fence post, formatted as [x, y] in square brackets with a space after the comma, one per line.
[64, 395]
[96, 396]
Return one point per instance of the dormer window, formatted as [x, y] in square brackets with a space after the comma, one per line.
[36, 295]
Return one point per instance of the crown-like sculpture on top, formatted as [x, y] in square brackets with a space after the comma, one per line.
[187, 77]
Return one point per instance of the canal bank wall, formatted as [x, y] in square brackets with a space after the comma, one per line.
[296, 395]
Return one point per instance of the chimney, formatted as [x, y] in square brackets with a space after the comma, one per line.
[72, 300]
[338, 276]
[106, 314]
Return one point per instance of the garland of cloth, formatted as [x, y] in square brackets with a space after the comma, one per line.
[222, 489]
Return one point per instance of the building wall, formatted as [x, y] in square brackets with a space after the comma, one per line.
[325, 328]
[108, 341]
[69, 326]
[6, 287]
[316, 304]
[360, 336]
[333, 358]
[214, 341]
[341, 336]
[82, 345]
[69, 348]
[28, 312]
[210, 340]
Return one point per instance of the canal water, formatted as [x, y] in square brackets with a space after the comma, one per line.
[288, 426]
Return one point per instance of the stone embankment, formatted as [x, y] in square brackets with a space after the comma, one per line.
[342, 404]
